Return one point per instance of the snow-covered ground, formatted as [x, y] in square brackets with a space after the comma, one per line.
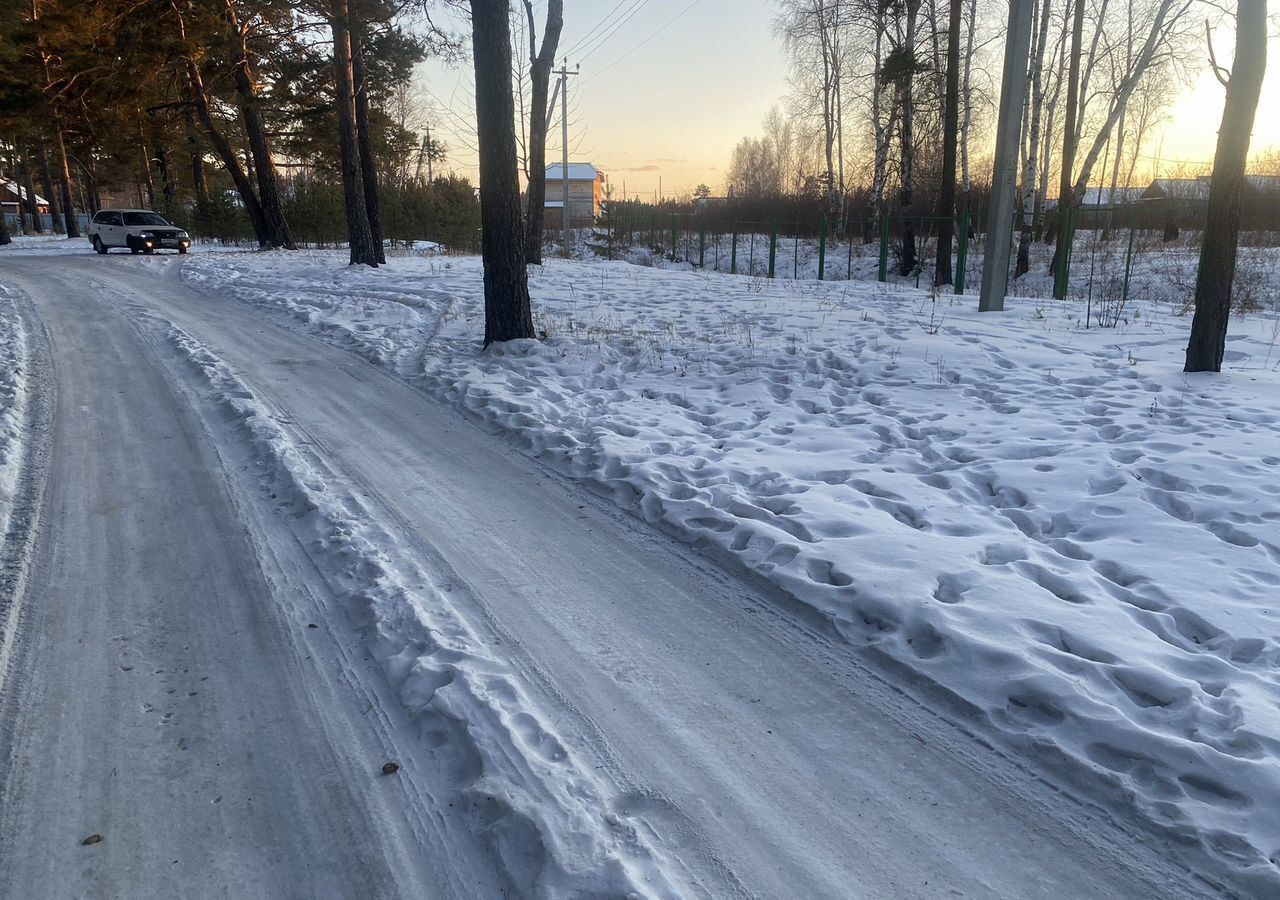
[1054, 524]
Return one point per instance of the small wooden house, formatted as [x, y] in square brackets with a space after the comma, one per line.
[586, 194]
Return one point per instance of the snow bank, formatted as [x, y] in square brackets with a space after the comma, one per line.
[14, 369]
[1051, 522]
[543, 814]
[58, 245]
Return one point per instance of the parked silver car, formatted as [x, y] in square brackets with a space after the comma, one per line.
[140, 230]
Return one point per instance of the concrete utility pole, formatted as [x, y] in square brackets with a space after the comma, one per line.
[564, 74]
[1013, 98]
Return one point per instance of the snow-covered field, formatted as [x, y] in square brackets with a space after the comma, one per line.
[1054, 524]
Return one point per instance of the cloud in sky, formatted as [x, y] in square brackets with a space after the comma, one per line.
[651, 167]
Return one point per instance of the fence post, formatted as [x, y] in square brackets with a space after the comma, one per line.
[1128, 267]
[795, 256]
[883, 274]
[702, 246]
[962, 254]
[733, 251]
[674, 227]
[822, 248]
[773, 248]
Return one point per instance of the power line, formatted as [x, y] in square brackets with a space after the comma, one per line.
[604, 38]
[661, 29]
[604, 21]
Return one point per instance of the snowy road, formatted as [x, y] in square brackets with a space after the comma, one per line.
[167, 692]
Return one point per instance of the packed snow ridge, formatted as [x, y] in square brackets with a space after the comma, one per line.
[14, 369]
[544, 814]
[1051, 522]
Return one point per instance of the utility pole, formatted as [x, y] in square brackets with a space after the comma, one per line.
[564, 74]
[1013, 97]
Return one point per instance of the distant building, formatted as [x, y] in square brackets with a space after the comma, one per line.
[11, 194]
[1182, 190]
[1197, 189]
[586, 194]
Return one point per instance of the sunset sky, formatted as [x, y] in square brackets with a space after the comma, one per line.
[668, 93]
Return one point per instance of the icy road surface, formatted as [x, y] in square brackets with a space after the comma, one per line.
[578, 705]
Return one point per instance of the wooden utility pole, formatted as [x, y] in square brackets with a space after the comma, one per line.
[1013, 97]
[564, 74]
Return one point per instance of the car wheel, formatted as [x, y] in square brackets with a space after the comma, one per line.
[134, 250]
[98, 246]
[149, 251]
[182, 251]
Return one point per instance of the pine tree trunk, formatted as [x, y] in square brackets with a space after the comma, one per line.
[167, 188]
[148, 180]
[90, 196]
[364, 136]
[507, 315]
[46, 181]
[230, 161]
[199, 184]
[70, 225]
[1226, 192]
[264, 167]
[540, 80]
[29, 185]
[950, 140]
[23, 205]
[359, 236]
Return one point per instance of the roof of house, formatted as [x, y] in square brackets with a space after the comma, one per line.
[1178, 188]
[17, 191]
[577, 172]
[1198, 188]
[1103, 196]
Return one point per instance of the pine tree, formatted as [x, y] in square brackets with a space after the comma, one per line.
[507, 314]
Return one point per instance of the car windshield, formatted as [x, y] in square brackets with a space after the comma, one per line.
[143, 218]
